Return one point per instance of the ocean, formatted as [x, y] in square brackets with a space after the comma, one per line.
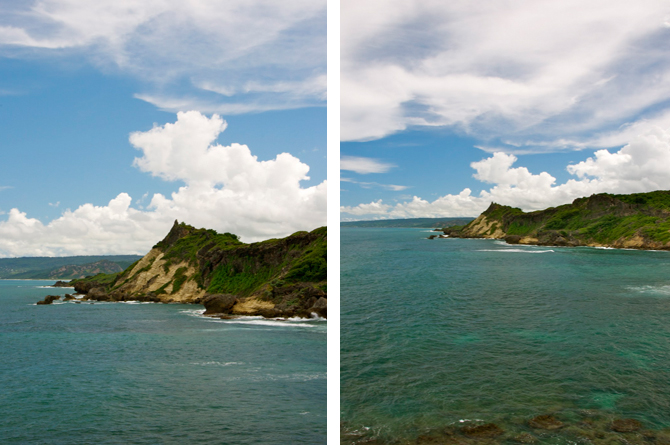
[438, 335]
[124, 373]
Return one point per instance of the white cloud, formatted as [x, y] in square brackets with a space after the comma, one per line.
[526, 72]
[367, 185]
[254, 52]
[363, 165]
[226, 189]
[641, 166]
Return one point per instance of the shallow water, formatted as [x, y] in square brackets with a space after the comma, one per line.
[438, 333]
[115, 373]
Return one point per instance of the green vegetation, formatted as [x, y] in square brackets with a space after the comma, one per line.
[603, 219]
[179, 279]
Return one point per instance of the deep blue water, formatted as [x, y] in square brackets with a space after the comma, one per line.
[116, 373]
[435, 333]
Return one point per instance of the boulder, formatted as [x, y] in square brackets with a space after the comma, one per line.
[432, 237]
[68, 297]
[83, 288]
[49, 299]
[625, 425]
[98, 294]
[218, 303]
[512, 239]
[320, 307]
[485, 430]
[545, 422]
[61, 284]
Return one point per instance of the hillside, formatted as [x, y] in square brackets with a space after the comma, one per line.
[428, 223]
[277, 277]
[639, 221]
[63, 267]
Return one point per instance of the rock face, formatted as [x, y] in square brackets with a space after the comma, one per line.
[320, 307]
[274, 278]
[219, 303]
[49, 299]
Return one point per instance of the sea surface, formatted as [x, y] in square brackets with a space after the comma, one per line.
[445, 333]
[119, 373]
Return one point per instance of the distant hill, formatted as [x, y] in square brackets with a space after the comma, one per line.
[638, 221]
[63, 267]
[428, 223]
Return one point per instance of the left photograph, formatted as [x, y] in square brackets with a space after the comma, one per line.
[163, 222]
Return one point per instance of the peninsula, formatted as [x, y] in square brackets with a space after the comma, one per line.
[273, 278]
[636, 221]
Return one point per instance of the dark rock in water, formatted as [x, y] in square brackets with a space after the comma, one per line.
[525, 438]
[320, 307]
[61, 284]
[512, 239]
[545, 422]
[68, 297]
[625, 425]
[218, 303]
[486, 430]
[432, 237]
[49, 299]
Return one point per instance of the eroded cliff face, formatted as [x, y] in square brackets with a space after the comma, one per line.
[638, 221]
[274, 278]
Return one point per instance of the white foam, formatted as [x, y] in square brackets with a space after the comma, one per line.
[216, 363]
[516, 250]
[649, 289]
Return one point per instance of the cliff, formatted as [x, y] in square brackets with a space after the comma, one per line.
[638, 221]
[273, 278]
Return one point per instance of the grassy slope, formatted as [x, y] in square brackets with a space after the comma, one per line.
[602, 218]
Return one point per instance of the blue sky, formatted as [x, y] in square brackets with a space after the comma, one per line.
[77, 79]
[449, 106]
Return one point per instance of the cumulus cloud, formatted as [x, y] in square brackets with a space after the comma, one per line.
[235, 55]
[643, 165]
[522, 73]
[226, 188]
[363, 165]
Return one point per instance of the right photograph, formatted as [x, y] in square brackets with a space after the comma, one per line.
[505, 222]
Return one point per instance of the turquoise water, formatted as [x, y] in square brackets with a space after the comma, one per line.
[438, 333]
[115, 373]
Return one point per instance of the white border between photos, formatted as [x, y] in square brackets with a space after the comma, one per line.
[333, 149]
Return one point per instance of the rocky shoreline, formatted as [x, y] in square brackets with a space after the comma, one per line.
[591, 427]
[216, 305]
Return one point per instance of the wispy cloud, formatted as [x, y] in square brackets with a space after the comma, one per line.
[232, 53]
[368, 185]
[363, 165]
[530, 72]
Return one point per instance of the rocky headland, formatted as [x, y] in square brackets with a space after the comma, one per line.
[636, 221]
[273, 278]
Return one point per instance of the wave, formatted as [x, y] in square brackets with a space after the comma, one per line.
[516, 250]
[651, 290]
[258, 320]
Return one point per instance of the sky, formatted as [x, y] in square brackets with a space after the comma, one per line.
[118, 117]
[449, 106]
